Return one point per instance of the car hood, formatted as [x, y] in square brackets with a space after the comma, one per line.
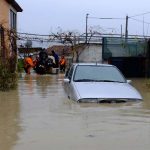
[106, 90]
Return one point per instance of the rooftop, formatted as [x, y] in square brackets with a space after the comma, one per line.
[15, 5]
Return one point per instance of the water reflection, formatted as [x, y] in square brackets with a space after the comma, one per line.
[141, 85]
[40, 116]
[9, 119]
[41, 85]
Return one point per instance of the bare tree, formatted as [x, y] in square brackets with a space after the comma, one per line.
[73, 40]
[8, 59]
[9, 48]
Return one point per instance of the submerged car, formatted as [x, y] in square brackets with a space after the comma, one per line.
[93, 82]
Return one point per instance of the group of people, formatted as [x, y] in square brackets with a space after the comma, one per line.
[44, 60]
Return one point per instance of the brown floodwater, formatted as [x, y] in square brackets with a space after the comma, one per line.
[39, 116]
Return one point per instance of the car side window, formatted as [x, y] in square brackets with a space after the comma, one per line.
[70, 73]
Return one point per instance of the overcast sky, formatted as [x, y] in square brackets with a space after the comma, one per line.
[46, 16]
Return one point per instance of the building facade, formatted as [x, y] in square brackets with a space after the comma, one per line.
[8, 27]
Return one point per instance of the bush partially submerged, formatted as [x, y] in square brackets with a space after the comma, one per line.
[8, 78]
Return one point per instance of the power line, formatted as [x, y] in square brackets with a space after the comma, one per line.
[105, 18]
[140, 21]
[139, 14]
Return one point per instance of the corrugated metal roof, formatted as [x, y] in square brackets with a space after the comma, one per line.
[29, 50]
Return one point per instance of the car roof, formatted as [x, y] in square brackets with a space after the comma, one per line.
[92, 64]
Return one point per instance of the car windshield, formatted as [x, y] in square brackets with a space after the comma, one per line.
[97, 73]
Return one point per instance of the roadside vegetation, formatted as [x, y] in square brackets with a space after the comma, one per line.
[20, 65]
[8, 78]
[8, 59]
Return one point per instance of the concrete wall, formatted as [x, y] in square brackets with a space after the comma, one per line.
[5, 8]
[91, 53]
[4, 13]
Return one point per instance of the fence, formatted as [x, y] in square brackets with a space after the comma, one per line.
[121, 47]
[129, 55]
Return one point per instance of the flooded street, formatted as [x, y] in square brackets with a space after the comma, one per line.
[39, 116]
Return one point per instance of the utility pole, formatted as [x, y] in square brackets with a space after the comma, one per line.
[143, 27]
[126, 30]
[121, 30]
[86, 28]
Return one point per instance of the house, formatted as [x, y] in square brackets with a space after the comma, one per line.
[8, 27]
[60, 50]
[23, 51]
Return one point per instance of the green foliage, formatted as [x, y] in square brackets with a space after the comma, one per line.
[20, 65]
[8, 79]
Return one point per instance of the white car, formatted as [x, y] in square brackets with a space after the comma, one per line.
[93, 82]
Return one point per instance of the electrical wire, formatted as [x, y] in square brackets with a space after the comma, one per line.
[140, 14]
[105, 18]
[140, 21]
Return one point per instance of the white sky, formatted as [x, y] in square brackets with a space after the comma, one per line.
[46, 16]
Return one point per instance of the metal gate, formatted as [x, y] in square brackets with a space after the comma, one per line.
[129, 55]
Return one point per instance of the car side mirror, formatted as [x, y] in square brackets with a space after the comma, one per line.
[129, 81]
[66, 80]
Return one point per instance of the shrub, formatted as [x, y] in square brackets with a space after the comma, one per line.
[20, 65]
[8, 79]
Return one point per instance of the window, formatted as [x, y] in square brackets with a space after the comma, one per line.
[1, 39]
[70, 72]
[98, 73]
[13, 20]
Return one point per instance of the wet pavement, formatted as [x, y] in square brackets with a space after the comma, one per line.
[39, 116]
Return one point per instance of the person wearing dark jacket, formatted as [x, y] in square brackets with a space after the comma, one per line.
[56, 59]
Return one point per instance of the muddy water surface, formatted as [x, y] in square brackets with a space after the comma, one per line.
[38, 116]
